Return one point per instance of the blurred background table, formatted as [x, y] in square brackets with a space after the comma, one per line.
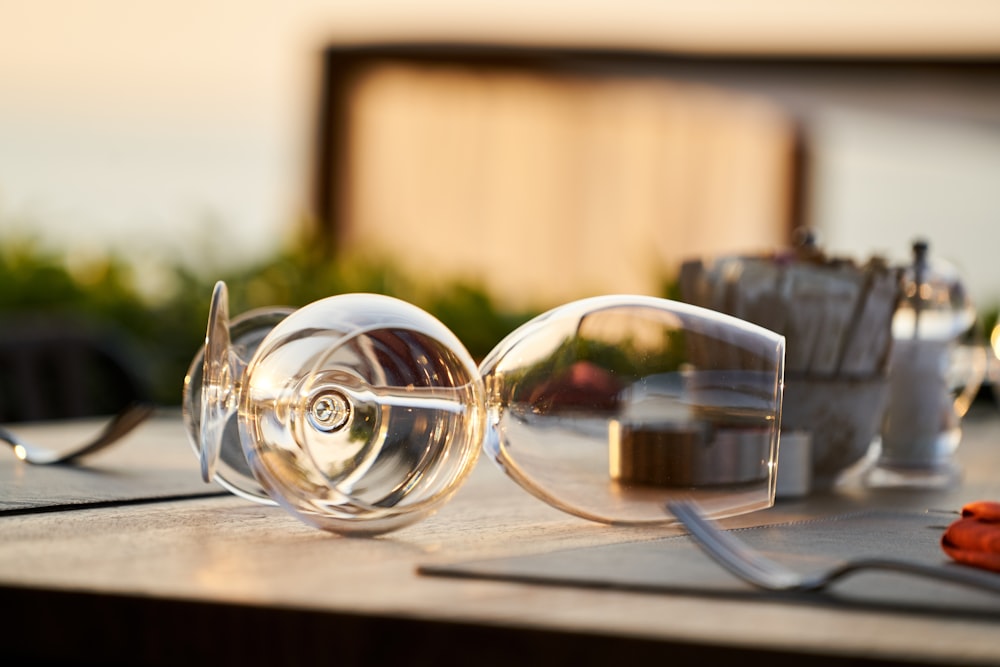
[151, 576]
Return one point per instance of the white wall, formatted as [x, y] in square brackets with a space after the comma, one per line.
[881, 181]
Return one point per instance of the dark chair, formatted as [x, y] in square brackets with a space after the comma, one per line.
[63, 368]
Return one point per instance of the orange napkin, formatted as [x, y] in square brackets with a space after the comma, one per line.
[975, 538]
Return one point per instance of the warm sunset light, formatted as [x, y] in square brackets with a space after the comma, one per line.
[175, 125]
[451, 332]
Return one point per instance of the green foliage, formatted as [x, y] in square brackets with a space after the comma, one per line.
[570, 351]
[168, 326]
[299, 276]
[624, 359]
[988, 319]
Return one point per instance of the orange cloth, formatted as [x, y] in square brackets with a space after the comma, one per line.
[975, 538]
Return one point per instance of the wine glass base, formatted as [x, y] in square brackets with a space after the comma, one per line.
[235, 344]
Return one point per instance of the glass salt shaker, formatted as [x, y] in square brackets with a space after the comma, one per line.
[932, 378]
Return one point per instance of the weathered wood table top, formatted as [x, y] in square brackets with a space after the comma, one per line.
[132, 560]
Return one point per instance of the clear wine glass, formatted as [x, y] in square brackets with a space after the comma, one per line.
[611, 407]
[360, 413]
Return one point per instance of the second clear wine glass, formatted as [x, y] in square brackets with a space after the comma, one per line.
[612, 407]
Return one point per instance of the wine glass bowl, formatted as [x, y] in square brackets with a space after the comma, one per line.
[611, 407]
[358, 413]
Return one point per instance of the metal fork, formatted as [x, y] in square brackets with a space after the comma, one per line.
[122, 423]
[754, 568]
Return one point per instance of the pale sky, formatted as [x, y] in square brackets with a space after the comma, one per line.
[130, 123]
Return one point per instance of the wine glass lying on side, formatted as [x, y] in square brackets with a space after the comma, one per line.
[360, 413]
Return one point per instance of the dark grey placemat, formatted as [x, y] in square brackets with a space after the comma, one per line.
[154, 462]
[677, 565]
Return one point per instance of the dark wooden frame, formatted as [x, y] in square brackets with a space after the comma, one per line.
[962, 88]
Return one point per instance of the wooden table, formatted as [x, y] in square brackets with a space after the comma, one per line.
[182, 578]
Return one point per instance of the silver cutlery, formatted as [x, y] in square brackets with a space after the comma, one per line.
[120, 425]
[755, 568]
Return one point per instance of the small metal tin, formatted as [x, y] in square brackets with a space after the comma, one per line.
[687, 454]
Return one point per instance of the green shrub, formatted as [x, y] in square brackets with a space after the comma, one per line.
[168, 326]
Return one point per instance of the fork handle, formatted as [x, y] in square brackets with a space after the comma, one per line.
[962, 575]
